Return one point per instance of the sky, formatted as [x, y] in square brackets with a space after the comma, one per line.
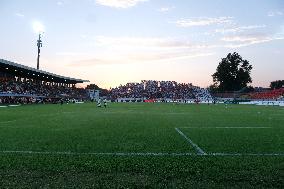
[112, 42]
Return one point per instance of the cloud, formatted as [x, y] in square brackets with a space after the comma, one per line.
[119, 3]
[138, 58]
[239, 29]
[127, 50]
[247, 40]
[91, 62]
[150, 43]
[167, 56]
[70, 53]
[203, 21]
[59, 3]
[19, 15]
[83, 36]
[275, 13]
[165, 9]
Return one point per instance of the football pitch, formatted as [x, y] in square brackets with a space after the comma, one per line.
[140, 145]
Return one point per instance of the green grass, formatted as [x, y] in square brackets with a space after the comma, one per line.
[141, 128]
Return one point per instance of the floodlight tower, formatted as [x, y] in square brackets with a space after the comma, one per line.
[39, 45]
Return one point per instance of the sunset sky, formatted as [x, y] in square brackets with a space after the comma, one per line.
[112, 42]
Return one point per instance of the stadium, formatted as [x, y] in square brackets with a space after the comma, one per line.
[150, 128]
[59, 131]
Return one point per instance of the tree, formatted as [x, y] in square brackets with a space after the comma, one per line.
[93, 86]
[213, 88]
[103, 92]
[277, 84]
[232, 73]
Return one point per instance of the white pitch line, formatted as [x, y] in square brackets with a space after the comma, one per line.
[243, 127]
[226, 127]
[247, 154]
[14, 105]
[138, 153]
[199, 150]
[100, 153]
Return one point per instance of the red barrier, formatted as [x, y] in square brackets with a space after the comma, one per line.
[274, 94]
[149, 100]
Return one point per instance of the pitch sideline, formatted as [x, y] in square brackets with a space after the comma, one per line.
[136, 153]
[225, 127]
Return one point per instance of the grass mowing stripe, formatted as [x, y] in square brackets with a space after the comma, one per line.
[138, 153]
[199, 150]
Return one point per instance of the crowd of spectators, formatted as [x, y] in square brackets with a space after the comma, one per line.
[274, 94]
[150, 89]
[16, 100]
[202, 94]
[28, 91]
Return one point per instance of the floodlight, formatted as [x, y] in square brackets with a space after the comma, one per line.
[38, 27]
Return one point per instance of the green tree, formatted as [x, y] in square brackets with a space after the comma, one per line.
[213, 88]
[93, 86]
[277, 84]
[103, 92]
[232, 73]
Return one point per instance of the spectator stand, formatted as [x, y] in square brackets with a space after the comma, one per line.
[159, 91]
[23, 84]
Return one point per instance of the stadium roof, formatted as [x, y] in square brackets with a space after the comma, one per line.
[29, 72]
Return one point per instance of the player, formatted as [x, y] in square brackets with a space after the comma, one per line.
[99, 103]
[105, 103]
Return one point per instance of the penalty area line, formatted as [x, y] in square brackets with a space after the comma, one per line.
[199, 150]
[133, 154]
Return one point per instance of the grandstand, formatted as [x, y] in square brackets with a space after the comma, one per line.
[272, 94]
[23, 84]
[20, 83]
[165, 91]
